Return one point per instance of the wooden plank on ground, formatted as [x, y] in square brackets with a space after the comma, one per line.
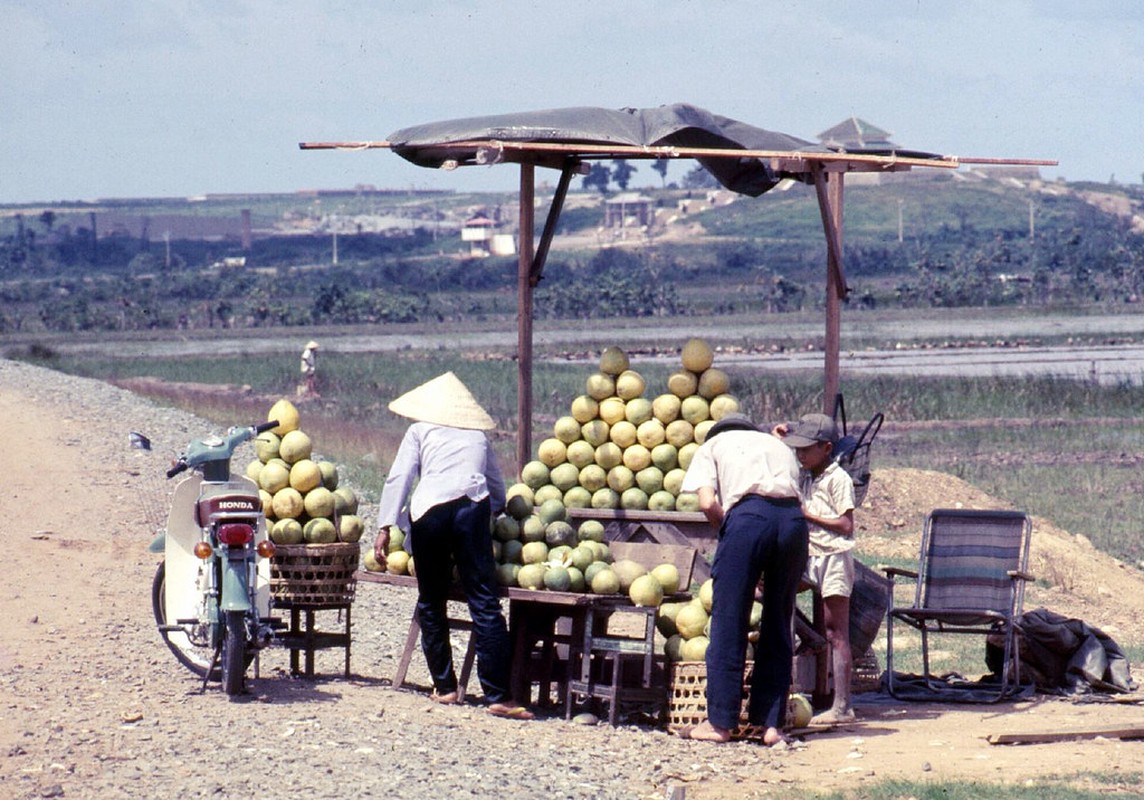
[1058, 735]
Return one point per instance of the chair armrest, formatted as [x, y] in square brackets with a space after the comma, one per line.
[890, 572]
[1025, 576]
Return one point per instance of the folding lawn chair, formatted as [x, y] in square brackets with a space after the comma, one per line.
[970, 580]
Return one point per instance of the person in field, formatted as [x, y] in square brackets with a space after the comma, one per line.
[309, 367]
[444, 488]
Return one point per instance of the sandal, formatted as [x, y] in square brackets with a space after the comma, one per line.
[508, 711]
[444, 698]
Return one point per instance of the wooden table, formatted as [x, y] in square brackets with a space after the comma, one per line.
[538, 621]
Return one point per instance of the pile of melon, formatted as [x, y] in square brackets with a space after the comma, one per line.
[538, 548]
[301, 498]
[617, 448]
[686, 626]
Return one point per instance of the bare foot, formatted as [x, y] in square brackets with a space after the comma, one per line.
[833, 717]
[444, 698]
[706, 732]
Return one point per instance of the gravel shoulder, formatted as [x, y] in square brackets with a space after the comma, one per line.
[94, 706]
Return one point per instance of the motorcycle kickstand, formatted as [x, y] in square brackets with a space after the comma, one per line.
[214, 663]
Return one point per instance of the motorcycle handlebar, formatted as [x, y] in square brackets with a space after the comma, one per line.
[266, 426]
[180, 466]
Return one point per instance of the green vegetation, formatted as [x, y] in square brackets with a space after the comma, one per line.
[397, 256]
[1065, 449]
[1089, 786]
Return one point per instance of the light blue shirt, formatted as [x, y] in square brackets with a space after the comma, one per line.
[446, 463]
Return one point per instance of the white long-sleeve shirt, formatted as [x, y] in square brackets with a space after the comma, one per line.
[446, 463]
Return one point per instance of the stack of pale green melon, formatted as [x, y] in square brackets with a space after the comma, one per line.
[617, 448]
[687, 626]
[301, 498]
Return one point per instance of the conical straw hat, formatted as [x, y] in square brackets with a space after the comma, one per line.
[443, 401]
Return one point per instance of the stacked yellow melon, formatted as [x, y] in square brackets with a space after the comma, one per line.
[300, 494]
[617, 448]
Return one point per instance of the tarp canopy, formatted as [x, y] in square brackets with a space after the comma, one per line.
[590, 132]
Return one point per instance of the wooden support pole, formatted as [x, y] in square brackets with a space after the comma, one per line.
[830, 200]
[524, 316]
[549, 231]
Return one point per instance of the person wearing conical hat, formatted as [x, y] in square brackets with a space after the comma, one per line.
[444, 488]
[309, 369]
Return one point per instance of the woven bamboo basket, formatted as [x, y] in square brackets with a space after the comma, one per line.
[314, 574]
[687, 700]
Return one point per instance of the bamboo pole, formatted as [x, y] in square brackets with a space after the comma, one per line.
[604, 151]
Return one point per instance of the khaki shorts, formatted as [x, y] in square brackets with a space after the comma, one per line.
[832, 575]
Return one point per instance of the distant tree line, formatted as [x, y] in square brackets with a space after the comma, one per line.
[73, 281]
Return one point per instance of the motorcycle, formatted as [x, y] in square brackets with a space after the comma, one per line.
[211, 591]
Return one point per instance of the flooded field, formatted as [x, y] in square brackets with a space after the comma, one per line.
[1105, 348]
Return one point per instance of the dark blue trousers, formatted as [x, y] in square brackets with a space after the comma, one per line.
[458, 532]
[764, 537]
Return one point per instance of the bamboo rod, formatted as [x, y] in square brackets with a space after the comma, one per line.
[636, 151]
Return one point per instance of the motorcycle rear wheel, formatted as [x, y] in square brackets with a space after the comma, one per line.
[234, 659]
[195, 657]
[191, 647]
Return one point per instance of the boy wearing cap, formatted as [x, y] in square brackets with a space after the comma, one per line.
[747, 482]
[828, 505]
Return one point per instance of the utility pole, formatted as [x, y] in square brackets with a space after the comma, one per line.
[901, 230]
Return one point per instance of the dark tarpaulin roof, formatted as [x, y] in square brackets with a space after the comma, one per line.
[678, 125]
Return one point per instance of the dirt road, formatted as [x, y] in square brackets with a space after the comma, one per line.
[95, 707]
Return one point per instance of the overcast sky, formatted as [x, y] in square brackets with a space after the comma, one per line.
[118, 98]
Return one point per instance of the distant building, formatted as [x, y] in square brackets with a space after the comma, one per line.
[481, 234]
[857, 134]
[629, 209]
